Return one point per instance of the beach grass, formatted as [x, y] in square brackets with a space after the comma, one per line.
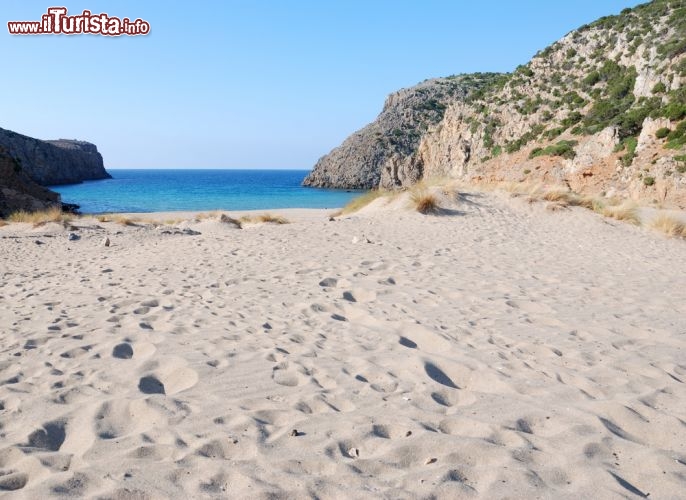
[41, 217]
[625, 212]
[424, 201]
[266, 218]
[670, 226]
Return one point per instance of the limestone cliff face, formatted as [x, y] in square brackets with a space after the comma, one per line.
[382, 153]
[602, 110]
[19, 192]
[54, 162]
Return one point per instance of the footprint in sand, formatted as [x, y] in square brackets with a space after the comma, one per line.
[13, 480]
[444, 398]
[170, 377]
[438, 375]
[359, 295]
[127, 350]
[379, 382]
[123, 351]
[283, 375]
[49, 438]
[76, 352]
[123, 417]
[404, 341]
[390, 431]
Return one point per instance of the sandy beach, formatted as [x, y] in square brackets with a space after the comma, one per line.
[498, 350]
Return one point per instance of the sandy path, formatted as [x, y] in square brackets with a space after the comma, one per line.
[502, 351]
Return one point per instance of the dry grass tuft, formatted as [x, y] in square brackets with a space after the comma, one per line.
[119, 219]
[424, 202]
[626, 213]
[671, 226]
[273, 219]
[264, 219]
[42, 217]
[207, 215]
[558, 195]
[230, 220]
[126, 221]
[589, 203]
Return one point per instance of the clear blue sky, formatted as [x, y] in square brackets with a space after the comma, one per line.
[255, 84]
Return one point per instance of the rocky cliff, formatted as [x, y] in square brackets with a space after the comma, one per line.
[602, 110]
[54, 162]
[383, 151]
[19, 192]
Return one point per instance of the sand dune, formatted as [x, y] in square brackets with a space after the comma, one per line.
[497, 351]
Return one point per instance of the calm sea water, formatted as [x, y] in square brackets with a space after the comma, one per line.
[167, 190]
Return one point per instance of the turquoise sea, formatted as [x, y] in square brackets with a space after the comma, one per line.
[168, 190]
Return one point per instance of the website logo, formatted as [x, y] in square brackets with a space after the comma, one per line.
[57, 22]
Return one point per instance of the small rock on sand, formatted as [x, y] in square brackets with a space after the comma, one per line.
[74, 237]
[106, 242]
[328, 282]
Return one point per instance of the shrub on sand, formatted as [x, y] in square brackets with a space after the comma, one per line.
[626, 213]
[272, 219]
[118, 219]
[670, 226]
[263, 218]
[559, 195]
[39, 218]
[424, 202]
[589, 202]
[125, 221]
[206, 215]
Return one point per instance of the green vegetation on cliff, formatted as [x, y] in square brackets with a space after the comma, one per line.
[594, 90]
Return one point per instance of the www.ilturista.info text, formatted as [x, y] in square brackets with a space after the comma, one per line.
[57, 22]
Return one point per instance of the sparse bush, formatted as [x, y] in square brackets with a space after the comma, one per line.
[630, 143]
[659, 88]
[558, 195]
[591, 79]
[677, 137]
[648, 180]
[41, 217]
[564, 149]
[262, 218]
[626, 213]
[674, 111]
[424, 202]
[126, 221]
[661, 133]
[670, 226]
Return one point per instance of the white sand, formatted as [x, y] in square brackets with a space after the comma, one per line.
[500, 351]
